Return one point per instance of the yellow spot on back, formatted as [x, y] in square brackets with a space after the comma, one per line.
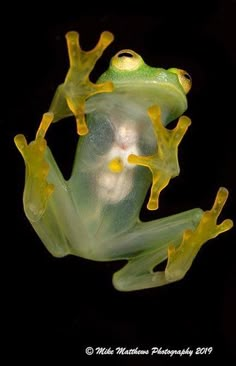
[116, 165]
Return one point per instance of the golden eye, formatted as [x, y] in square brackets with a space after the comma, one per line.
[184, 79]
[127, 60]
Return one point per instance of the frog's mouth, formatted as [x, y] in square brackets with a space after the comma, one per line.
[136, 100]
[172, 102]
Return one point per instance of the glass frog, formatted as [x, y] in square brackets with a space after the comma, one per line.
[124, 149]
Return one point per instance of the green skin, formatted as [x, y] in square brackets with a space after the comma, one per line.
[95, 214]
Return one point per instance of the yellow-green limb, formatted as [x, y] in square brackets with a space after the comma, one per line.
[164, 163]
[37, 189]
[181, 258]
[77, 87]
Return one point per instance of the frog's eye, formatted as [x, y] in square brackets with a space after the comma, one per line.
[127, 60]
[184, 79]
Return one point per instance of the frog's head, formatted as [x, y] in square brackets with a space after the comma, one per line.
[147, 85]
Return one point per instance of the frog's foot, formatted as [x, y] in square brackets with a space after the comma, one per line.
[164, 163]
[181, 258]
[37, 189]
[77, 87]
[200, 227]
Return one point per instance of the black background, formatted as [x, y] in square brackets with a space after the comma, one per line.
[63, 305]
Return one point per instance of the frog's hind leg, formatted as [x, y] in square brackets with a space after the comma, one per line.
[139, 273]
[47, 201]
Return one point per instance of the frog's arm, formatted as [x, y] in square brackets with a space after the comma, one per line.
[70, 97]
[47, 200]
[164, 163]
[178, 238]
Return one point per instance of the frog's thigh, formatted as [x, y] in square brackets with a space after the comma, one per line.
[59, 227]
[152, 235]
[152, 241]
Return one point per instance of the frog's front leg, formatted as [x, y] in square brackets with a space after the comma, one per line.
[177, 238]
[70, 97]
[47, 200]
